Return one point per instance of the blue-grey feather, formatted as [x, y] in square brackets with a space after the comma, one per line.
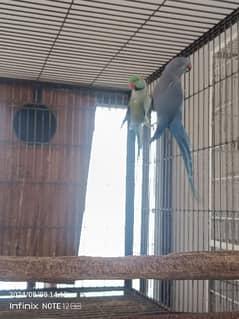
[168, 103]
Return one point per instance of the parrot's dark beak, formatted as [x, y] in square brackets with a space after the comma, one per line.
[132, 85]
[189, 67]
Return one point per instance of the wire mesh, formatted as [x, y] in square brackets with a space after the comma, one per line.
[181, 223]
[99, 42]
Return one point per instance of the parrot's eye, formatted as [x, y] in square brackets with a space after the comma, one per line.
[189, 67]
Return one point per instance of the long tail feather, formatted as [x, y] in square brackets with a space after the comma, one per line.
[139, 138]
[182, 139]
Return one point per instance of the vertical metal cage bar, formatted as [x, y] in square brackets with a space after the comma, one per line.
[211, 120]
[145, 202]
[129, 200]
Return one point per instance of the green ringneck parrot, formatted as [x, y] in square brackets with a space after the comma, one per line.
[139, 107]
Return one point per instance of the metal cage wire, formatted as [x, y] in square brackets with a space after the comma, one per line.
[99, 42]
[75, 46]
[177, 221]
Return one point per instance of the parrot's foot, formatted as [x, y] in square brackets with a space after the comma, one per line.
[147, 125]
[146, 121]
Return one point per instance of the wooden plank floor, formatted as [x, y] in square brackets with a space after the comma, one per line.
[122, 306]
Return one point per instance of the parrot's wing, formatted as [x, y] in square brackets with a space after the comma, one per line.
[182, 139]
[168, 100]
[147, 110]
[147, 104]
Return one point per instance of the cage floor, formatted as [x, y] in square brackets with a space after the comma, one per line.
[121, 306]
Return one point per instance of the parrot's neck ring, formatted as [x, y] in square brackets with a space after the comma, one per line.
[138, 89]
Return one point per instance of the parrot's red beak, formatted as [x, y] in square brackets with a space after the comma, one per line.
[189, 67]
[132, 85]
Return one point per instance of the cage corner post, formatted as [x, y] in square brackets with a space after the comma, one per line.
[129, 197]
[145, 204]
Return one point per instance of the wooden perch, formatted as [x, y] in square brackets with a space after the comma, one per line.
[189, 265]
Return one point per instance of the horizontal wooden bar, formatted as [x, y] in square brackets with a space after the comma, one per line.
[178, 266]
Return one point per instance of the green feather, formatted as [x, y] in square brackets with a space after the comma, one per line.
[133, 78]
[139, 82]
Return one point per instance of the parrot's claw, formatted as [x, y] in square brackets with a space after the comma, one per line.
[149, 125]
[147, 122]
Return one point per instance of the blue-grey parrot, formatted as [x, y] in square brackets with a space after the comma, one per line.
[139, 107]
[168, 100]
